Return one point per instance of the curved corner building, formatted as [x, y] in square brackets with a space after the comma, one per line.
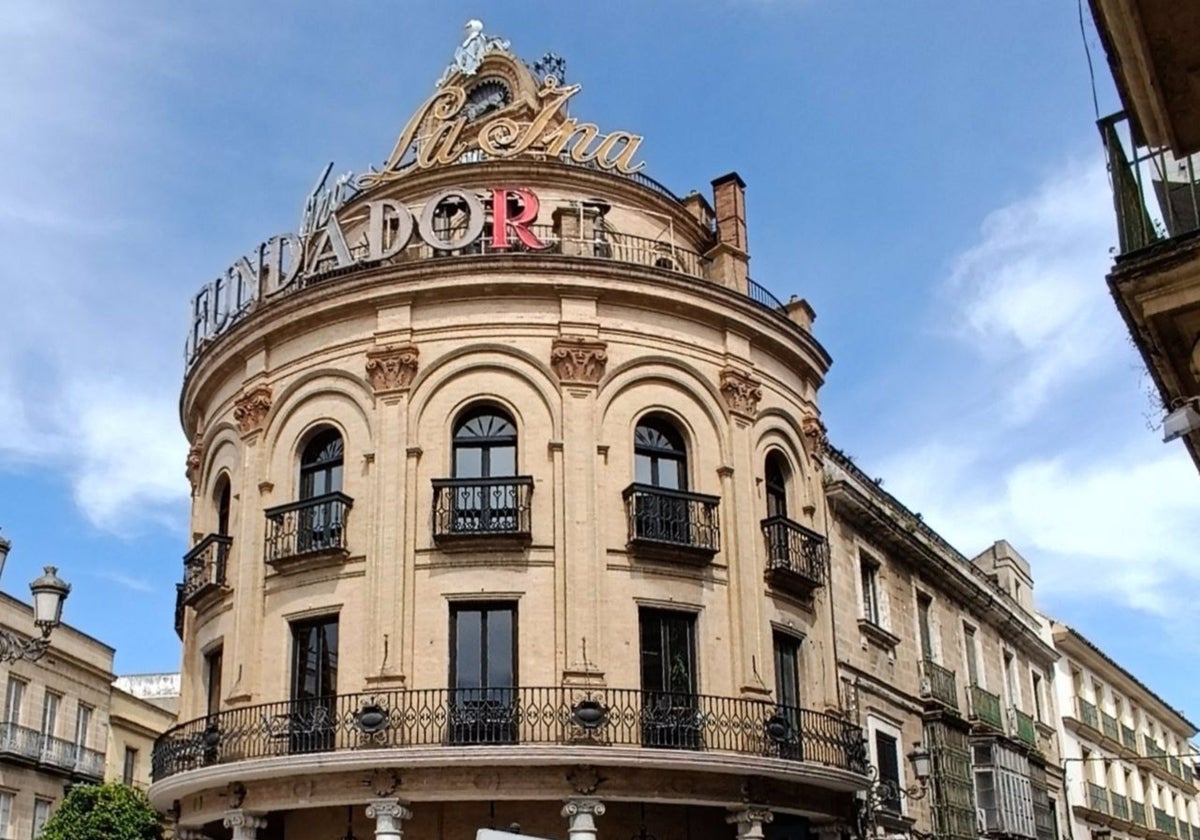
[506, 505]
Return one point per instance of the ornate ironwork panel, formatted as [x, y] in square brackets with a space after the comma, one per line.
[673, 518]
[482, 507]
[204, 567]
[795, 552]
[307, 527]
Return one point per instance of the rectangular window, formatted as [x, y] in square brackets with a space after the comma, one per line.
[6, 807]
[83, 723]
[670, 717]
[972, 652]
[127, 774]
[483, 673]
[869, 574]
[1038, 707]
[310, 724]
[14, 698]
[41, 813]
[1010, 683]
[887, 760]
[1003, 789]
[924, 605]
[50, 713]
[787, 670]
[213, 663]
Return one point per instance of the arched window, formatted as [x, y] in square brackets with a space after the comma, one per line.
[485, 444]
[776, 473]
[223, 500]
[659, 456]
[321, 465]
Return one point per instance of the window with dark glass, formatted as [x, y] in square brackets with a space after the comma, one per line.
[130, 765]
[668, 658]
[775, 475]
[660, 458]
[13, 700]
[484, 454]
[787, 670]
[924, 606]
[869, 578]
[972, 652]
[483, 672]
[223, 502]
[887, 762]
[310, 724]
[321, 465]
[213, 664]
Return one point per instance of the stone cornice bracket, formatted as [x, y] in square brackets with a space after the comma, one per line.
[578, 359]
[392, 368]
[741, 392]
[195, 460]
[815, 439]
[245, 824]
[750, 821]
[251, 408]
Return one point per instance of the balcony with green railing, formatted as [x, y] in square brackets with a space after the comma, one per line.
[1174, 767]
[1088, 715]
[1186, 773]
[938, 683]
[1023, 728]
[1154, 751]
[1120, 806]
[1137, 812]
[984, 707]
[1108, 725]
[1164, 822]
[1097, 797]
[1128, 737]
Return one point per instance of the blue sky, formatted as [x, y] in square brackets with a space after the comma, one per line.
[927, 174]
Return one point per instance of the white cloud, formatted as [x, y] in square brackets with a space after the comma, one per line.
[1030, 294]
[136, 584]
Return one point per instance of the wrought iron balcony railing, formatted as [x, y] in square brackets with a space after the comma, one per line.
[1154, 751]
[179, 610]
[1097, 797]
[512, 716]
[204, 567]
[1023, 728]
[674, 522]
[797, 558]
[482, 507]
[1088, 714]
[984, 707]
[50, 752]
[938, 683]
[311, 526]
[1156, 195]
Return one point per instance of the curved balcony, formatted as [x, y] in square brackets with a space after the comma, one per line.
[204, 567]
[571, 717]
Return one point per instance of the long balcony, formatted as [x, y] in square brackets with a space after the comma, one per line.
[1155, 194]
[984, 707]
[312, 526]
[204, 567]
[937, 683]
[1137, 812]
[672, 524]
[1128, 737]
[489, 508]
[797, 558]
[594, 718]
[50, 753]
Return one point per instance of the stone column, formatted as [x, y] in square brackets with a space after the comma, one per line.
[245, 824]
[750, 821]
[389, 816]
[581, 813]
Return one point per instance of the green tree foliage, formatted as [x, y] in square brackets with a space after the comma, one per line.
[103, 812]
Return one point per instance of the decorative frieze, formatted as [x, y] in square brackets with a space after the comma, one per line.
[815, 440]
[195, 460]
[741, 392]
[251, 409]
[578, 359]
[392, 368]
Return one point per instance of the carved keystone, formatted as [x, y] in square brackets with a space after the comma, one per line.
[392, 368]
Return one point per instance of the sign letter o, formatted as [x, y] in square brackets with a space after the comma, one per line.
[474, 221]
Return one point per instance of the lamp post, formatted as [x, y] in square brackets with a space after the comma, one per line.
[49, 592]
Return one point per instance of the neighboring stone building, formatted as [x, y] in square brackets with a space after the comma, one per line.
[54, 726]
[1130, 767]
[134, 724]
[1153, 49]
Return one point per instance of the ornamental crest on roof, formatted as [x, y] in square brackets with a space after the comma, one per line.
[471, 51]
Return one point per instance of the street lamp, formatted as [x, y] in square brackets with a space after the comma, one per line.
[883, 791]
[49, 592]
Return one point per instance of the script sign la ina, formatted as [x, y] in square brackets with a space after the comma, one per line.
[549, 133]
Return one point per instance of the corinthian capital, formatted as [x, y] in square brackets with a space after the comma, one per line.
[741, 392]
[251, 408]
[392, 368]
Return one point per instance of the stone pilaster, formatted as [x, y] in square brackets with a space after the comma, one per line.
[581, 813]
[389, 816]
[245, 824]
[750, 821]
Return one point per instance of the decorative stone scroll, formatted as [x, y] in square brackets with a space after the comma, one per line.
[245, 825]
[815, 440]
[750, 821]
[578, 359]
[392, 368]
[195, 460]
[741, 392]
[251, 408]
[389, 816]
[581, 813]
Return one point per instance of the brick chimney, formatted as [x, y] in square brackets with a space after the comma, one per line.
[730, 257]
